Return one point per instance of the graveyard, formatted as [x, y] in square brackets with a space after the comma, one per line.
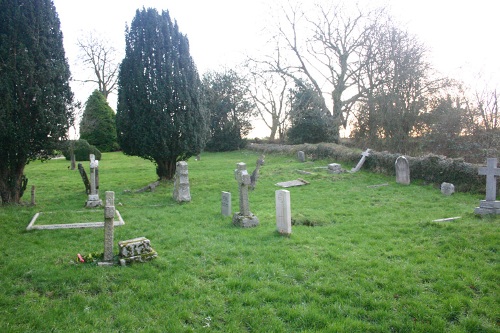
[365, 253]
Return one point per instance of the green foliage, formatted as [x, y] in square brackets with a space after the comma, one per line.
[35, 96]
[81, 148]
[160, 116]
[98, 124]
[225, 96]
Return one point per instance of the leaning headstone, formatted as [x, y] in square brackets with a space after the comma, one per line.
[255, 174]
[364, 155]
[85, 178]
[283, 212]
[334, 168]
[490, 205]
[181, 183]
[226, 204]
[109, 215]
[447, 188]
[244, 218]
[136, 250]
[402, 171]
[93, 198]
[301, 156]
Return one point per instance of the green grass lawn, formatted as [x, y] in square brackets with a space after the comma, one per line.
[360, 258]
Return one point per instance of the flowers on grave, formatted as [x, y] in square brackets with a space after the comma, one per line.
[80, 258]
[89, 258]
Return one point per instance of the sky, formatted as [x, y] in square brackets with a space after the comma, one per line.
[461, 35]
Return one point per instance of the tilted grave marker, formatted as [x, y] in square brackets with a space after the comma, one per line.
[364, 155]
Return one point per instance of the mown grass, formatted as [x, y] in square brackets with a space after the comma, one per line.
[360, 258]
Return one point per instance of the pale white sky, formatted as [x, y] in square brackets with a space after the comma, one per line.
[461, 35]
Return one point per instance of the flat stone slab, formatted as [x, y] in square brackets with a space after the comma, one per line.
[32, 226]
[292, 183]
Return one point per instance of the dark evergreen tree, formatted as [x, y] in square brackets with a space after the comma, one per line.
[160, 116]
[98, 123]
[35, 98]
[308, 118]
[230, 110]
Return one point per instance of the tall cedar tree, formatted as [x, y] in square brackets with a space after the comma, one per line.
[160, 115]
[98, 125]
[35, 98]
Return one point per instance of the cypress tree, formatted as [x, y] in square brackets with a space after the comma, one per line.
[159, 115]
[35, 98]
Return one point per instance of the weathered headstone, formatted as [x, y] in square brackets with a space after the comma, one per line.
[85, 178]
[93, 198]
[283, 212]
[243, 218]
[255, 174]
[490, 205]
[226, 204]
[136, 250]
[447, 188]
[292, 183]
[334, 168]
[364, 155]
[181, 183]
[109, 215]
[301, 156]
[402, 171]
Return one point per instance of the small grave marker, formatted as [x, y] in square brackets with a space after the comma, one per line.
[490, 205]
[181, 183]
[301, 156]
[283, 212]
[447, 188]
[402, 171]
[226, 204]
[136, 250]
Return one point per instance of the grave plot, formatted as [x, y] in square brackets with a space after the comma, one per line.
[42, 220]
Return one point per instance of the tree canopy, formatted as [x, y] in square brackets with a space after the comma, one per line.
[160, 115]
[35, 97]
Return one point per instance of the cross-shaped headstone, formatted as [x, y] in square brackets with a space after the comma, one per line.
[243, 178]
[364, 155]
[491, 172]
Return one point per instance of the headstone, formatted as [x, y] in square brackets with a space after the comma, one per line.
[198, 157]
[490, 205]
[136, 250]
[33, 201]
[334, 168]
[402, 171]
[447, 188]
[73, 161]
[364, 155]
[255, 174]
[283, 212]
[181, 183]
[109, 215]
[85, 179]
[244, 218]
[226, 204]
[93, 199]
[301, 156]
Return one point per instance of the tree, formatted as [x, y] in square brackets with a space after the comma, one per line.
[35, 97]
[307, 116]
[160, 115]
[226, 96]
[98, 123]
[99, 55]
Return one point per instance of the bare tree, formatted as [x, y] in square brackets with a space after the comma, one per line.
[100, 57]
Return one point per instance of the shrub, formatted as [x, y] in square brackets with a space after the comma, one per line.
[82, 149]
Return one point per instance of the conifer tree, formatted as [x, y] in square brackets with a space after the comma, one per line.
[160, 116]
[35, 98]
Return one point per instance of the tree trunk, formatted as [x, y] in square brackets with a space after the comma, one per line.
[165, 169]
[12, 184]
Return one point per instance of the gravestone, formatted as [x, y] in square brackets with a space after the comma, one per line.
[109, 215]
[402, 171]
[301, 156]
[181, 183]
[364, 155]
[136, 250]
[490, 205]
[93, 198]
[283, 212]
[334, 168]
[226, 204]
[73, 161]
[255, 174]
[33, 200]
[447, 188]
[85, 178]
[244, 218]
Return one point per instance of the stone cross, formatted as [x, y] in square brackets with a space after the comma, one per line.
[226, 203]
[364, 155]
[402, 171]
[181, 183]
[93, 200]
[244, 217]
[283, 212]
[490, 205]
[109, 215]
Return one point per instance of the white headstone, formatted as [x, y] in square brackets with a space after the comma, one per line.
[402, 171]
[490, 205]
[364, 155]
[283, 212]
[93, 198]
[226, 204]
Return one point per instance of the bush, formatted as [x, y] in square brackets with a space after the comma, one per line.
[82, 149]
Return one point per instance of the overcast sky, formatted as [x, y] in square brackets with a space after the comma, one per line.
[461, 35]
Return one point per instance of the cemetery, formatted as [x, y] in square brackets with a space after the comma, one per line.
[346, 251]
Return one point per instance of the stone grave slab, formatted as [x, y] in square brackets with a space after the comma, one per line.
[292, 183]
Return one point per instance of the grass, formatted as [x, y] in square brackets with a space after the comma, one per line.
[360, 258]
